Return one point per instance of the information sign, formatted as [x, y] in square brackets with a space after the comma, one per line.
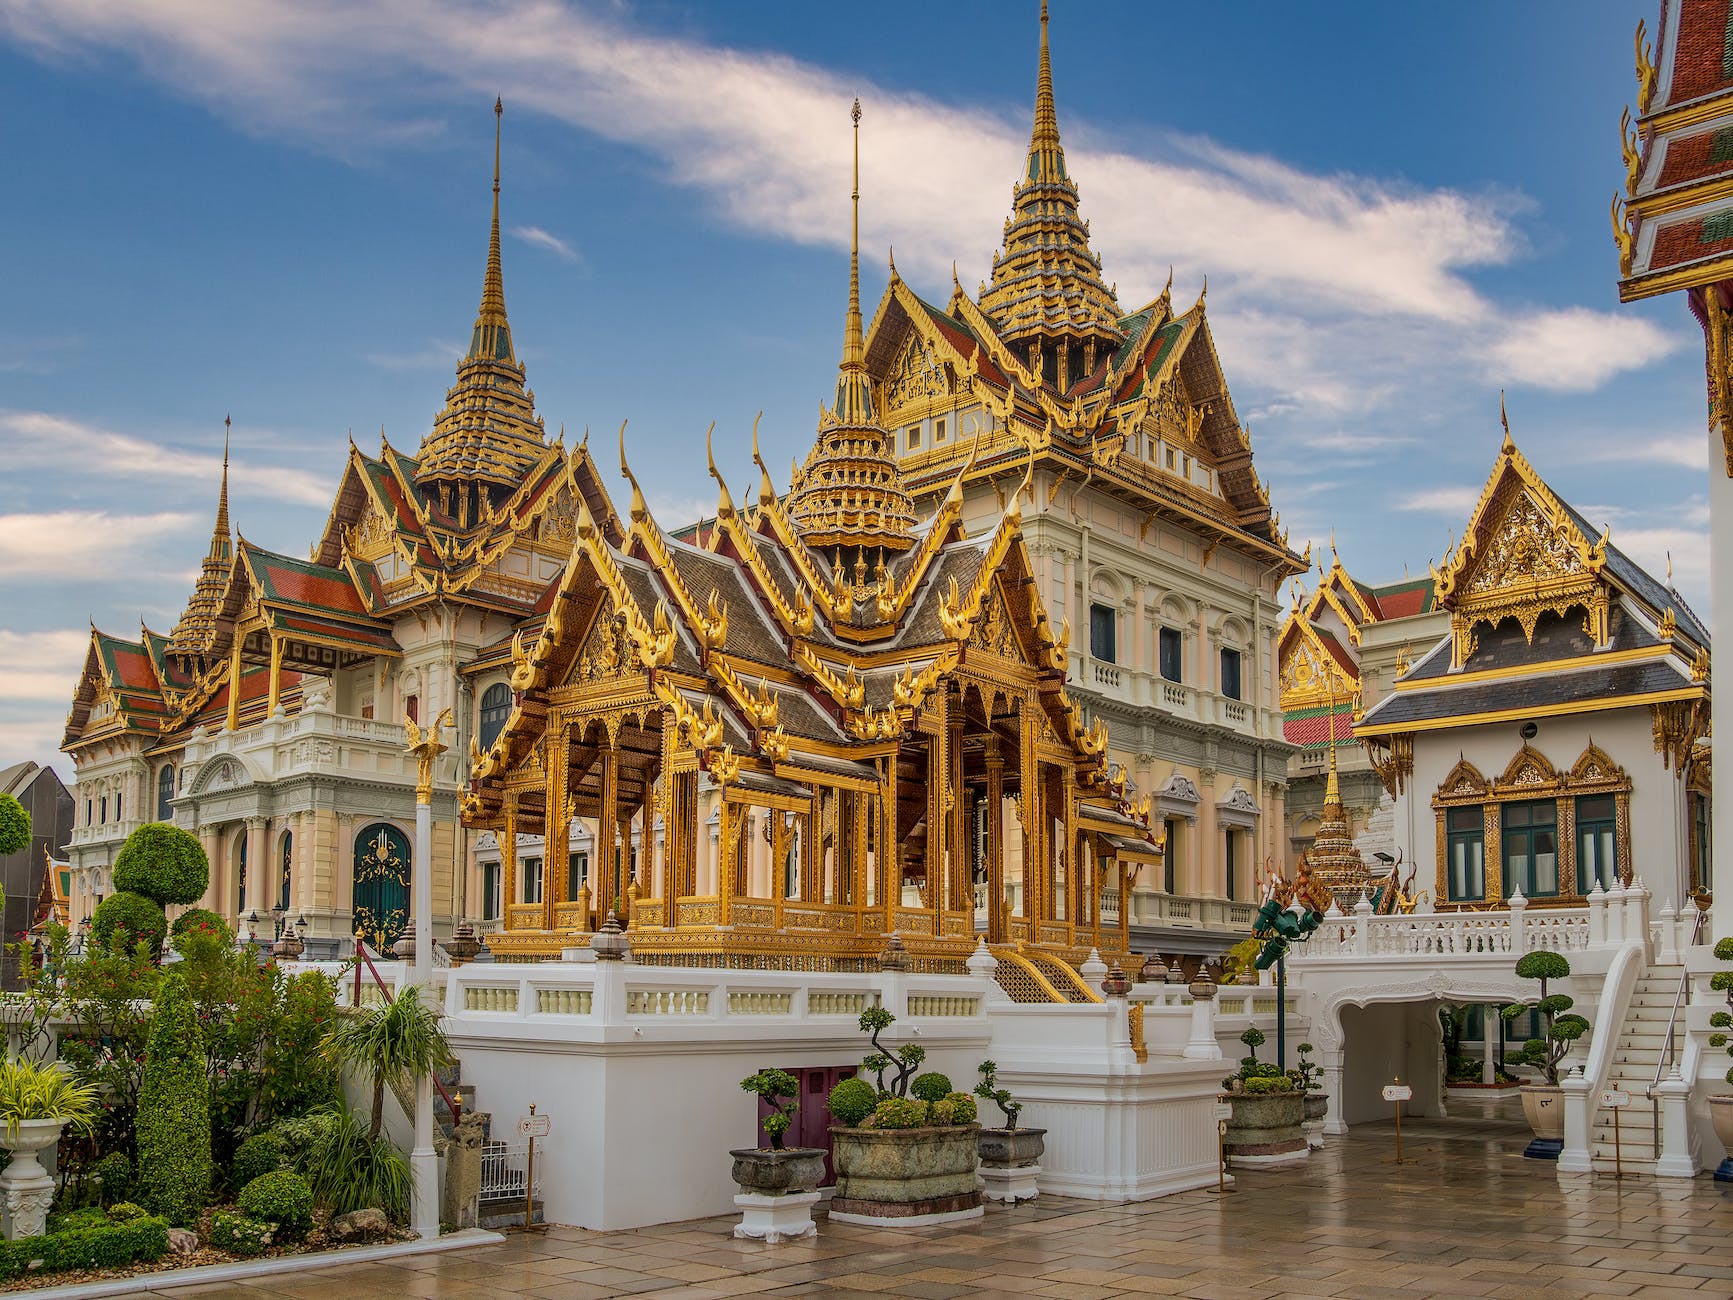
[1224, 1110]
[1398, 1092]
[535, 1126]
[1615, 1097]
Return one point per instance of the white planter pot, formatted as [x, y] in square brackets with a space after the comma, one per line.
[26, 1189]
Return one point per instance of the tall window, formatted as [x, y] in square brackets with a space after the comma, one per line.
[1169, 858]
[165, 792]
[1531, 847]
[1228, 841]
[241, 874]
[1700, 839]
[495, 709]
[1231, 674]
[1465, 854]
[532, 873]
[412, 707]
[104, 806]
[490, 872]
[117, 813]
[286, 861]
[1170, 647]
[577, 875]
[938, 431]
[1597, 852]
[1103, 629]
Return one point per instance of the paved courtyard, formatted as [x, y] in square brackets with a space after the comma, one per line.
[1467, 1217]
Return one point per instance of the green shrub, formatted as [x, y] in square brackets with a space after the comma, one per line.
[900, 1112]
[347, 1168]
[163, 863]
[851, 1101]
[941, 1113]
[94, 1245]
[281, 1197]
[963, 1108]
[989, 1090]
[14, 826]
[114, 1172]
[780, 1091]
[30, 1091]
[239, 1235]
[1266, 1083]
[261, 1154]
[174, 1109]
[931, 1086]
[200, 918]
[126, 1212]
[123, 921]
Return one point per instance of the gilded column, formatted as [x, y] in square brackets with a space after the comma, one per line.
[935, 848]
[234, 719]
[727, 854]
[778, 864]
[995, 841]
[508, 857]
[276, 676]
[890, 848]
[556, 837]
[606, 871]
[962, 844]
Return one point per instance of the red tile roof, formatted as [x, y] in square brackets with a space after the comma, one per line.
[1315, 730]
[1700, 59]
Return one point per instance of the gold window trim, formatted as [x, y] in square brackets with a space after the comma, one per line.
[1530, 776]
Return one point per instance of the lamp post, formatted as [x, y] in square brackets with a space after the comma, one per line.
[1288, 916]
[423, 1163]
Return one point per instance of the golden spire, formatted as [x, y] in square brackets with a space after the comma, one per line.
[195, 631]
[1332, 787]
[492, 337]
[1046, 158]
[850, 492]
[220, 538]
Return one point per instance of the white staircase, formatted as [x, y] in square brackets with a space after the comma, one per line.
[1642, 1042]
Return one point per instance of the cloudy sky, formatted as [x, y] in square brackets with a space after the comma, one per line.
[277, 209]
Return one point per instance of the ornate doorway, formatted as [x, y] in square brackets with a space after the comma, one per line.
[381, 896]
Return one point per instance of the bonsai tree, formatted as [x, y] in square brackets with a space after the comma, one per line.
[1560, 1027]
[14, 826]
[174, 1109]
[1306, 1075]
[399, 1039]
[1722, 981]
[905, 1061]
[779, 1090]
[1255, 1075]
[988, 1088]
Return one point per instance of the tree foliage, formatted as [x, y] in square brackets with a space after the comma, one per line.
[163, 862]
[14, 826]
[1560, 1028]
[174, 1109]
[400, 1039]
[123, 921]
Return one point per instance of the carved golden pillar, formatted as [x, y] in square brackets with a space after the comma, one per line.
[276, 676]
[556, 836]
[995, 842]
[858, 813]
[960, 886]
[1124, 907]
[778, 864]
[234, 718]
[683, 834]
[935, 847]
[1079, 905]
[1029, 807]
[890, 848]
[508, 857]
[727, 857]
[606, 871]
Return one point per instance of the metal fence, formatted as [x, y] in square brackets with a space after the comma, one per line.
[504, 1168]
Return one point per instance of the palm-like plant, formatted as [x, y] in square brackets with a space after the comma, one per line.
[395, 1040]
[29, 1091]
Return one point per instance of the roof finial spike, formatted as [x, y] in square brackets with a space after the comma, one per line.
[1044, 150]
[221, 531]
[854, 345]
[1509, 442]
[491, 340]
[1669, 570]
[766, 489]
[724, 500]
[639, 510]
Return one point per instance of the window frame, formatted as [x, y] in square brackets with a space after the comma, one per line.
[496, 714]
[165, 792]
[1172, 637]
[1103, 618]
[1231, 655]
[1606, 831]
[1469, 836]
[1528, 831]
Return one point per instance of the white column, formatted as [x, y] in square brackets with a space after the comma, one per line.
[1615, 916]
[1637, 915]
[1518, 911]
[1675, 1161]
[1597, 915]
[1669, 950]
[423, 1162]
[1721, 600]
[1575, 1158]
[1491, 1027]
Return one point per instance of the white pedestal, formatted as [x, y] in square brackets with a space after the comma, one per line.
[774, 1219]
[1010, 1183]
[1314, 1131]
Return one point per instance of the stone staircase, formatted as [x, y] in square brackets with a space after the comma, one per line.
[1642, 1042]
[505, 1209]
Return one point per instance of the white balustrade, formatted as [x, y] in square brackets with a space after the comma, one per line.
[822, 1003]
[667, 1002]
[564, 1002]
[1449, 934]
[490, 997]
[755, 1002]
[938, 1004]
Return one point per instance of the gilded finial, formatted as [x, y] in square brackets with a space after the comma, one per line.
[1669, 570]
[223, 492]
[766, 489]
[1631, 147]
[1647, 72]
[640, 511]
[1504, 419]
[491, 339]
[1622, 237]
[724, 501]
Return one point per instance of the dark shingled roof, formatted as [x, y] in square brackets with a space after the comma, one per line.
[1556, 637]
[1635, 579]
[1535, 692]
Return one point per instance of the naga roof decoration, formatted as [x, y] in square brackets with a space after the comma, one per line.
[1047, 281]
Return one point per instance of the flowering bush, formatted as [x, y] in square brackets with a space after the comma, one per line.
[239, 1235]
[123, 921]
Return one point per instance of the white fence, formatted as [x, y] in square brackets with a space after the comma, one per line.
[505, 1169]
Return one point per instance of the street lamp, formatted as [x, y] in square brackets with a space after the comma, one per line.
[1288, 916]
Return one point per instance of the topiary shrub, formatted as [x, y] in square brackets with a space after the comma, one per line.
[164, 863]
[123, 921]
[200, 918]
[851, 1101]
[114, 1172]
[780, 1091]
[281, 1197]
[239, 1235]
[85, 1246]
[14, 826]
[126, 1212]
[1561, 1028]
[900, 1112]
[1722, 982]
[261, 1154]
[174, 1109]
[963, 1109]
[941, 1113]
[931, 1086]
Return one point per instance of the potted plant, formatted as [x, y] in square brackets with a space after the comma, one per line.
[905, 1151]
[776, 1182]
[1543, 1103]
[1309, 1079]
[1268, 1110]
[1010, 1156]
[1721, 1107]
[36, 1102]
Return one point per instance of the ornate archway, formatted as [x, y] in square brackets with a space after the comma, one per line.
[380, 900]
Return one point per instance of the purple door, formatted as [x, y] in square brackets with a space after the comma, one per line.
[811, 1126]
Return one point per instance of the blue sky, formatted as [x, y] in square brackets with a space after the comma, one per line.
[278, 208]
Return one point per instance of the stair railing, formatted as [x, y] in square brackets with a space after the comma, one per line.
[453, 1104]
[1670, 1053]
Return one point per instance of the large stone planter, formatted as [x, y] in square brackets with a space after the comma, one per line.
[1543, 1106]
[1266, 1128]
[1721, 1115]
[1317, 1107]
[912, 1176]
[26, 1189]
[1011, 1162]
[776, 1192]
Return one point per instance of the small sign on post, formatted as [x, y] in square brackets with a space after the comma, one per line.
[1615, 1100]
[1398, 1092]
[1224, 1111]
[532, 1126]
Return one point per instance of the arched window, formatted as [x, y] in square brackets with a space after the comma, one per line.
[285, 859]
[241, 874]
[165, 792]
[495, 709]
[104, 806]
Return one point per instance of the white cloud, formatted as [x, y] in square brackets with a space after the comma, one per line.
[548, 242]
[43, 438]
[41, 665]
[1683, 451]
[438, 354]
[76, 543]
[1457, 501]
[1359, 284]
[1574, 349]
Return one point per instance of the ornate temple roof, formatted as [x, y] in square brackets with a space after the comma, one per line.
[489, 431]
[1047, 280]
[195, 631]
[850, 492]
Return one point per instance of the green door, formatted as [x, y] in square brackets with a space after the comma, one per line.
[381, 897]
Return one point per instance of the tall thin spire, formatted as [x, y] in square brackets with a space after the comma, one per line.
[492, 337]
[853, 342]
[220, 537]
[195, 631]
[1046, 158]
